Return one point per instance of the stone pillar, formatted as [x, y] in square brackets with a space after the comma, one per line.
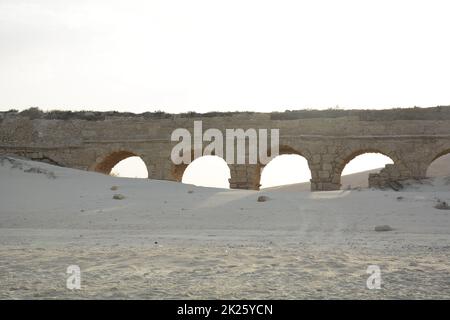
[324, 174]
[159, 168]
[245, 176]
[176, 172]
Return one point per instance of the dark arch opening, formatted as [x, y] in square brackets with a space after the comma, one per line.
[115, 158]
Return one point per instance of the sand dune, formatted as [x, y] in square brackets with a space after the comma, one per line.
[170, 240]
[359, 179]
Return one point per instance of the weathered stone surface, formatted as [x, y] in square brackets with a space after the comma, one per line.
[383, 228]
[328, 139]
[118, 196]
[262, 199]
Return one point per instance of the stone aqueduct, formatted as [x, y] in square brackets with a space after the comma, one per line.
[328, 139]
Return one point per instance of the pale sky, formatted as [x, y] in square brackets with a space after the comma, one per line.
[210, 55]
[205, 55]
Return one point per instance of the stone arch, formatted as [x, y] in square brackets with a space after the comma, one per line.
[353, 154]
[350, 155]
[440, 154]
[284, 149]
[107, 162]
[216, 168]
[444, 152]
[42, 157]
[177, 170]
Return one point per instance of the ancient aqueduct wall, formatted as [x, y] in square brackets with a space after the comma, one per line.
[328, 139]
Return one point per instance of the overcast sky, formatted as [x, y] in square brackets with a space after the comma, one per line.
[207, 55]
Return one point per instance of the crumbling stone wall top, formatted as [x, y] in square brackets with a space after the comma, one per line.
[416, 113]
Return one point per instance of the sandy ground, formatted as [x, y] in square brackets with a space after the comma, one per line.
[168, 240]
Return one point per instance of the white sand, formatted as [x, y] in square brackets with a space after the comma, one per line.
[214, 243]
